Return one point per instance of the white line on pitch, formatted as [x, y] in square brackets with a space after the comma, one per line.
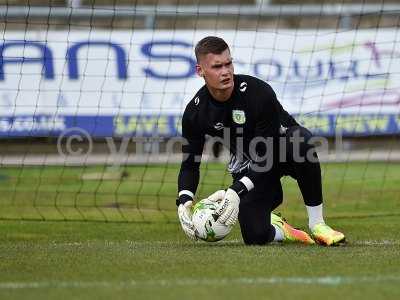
[323, 281]
[377, 243]
[227, 242]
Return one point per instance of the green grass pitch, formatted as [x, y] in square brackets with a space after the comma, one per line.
[124, 242]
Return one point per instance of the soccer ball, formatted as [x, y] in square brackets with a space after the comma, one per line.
[207, 229]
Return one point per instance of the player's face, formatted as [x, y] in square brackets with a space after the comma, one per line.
[217, 70]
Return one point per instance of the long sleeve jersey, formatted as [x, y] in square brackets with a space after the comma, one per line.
[252, 112]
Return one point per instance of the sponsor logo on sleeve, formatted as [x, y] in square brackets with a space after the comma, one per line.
[243, 87]
[219, 126]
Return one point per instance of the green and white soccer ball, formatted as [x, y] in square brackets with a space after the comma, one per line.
[207, 229]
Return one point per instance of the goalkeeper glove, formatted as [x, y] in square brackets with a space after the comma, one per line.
[217, 196]
[185, 217]
[228, 210]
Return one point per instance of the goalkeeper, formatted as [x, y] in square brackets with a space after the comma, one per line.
[265, 143]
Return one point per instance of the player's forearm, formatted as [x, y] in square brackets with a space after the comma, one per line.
[188, 181]
[189, 173]
[242, 186]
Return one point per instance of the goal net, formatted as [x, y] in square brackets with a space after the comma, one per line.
[92, 94]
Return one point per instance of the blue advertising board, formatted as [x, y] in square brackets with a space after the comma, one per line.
[137, 83]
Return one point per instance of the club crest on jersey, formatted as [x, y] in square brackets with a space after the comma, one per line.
[238, 116]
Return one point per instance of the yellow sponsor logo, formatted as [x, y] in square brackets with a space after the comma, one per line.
[143, 126]
[362, 124]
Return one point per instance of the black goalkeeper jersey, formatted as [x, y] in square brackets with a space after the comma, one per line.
[252, 111]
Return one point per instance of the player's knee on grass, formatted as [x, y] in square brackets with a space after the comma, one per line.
[255, 219]
[258, 236]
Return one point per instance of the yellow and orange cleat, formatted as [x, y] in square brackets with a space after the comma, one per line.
[291, 234]
[325, 235]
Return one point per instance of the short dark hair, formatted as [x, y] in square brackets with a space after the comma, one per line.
[210, 44]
